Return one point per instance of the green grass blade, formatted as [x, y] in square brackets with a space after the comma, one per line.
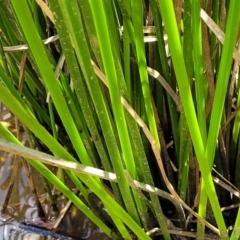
[187, 100]
[200, 79]
[222, 83]
[222, 79]
[104, 40]
[101, 108]
[142, 65]
[40, 57]
[200, 86]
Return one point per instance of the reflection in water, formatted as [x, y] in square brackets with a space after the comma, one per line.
[79, 227]
[71, 228]
[7, 217]
[22, 207]
[17, 234]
